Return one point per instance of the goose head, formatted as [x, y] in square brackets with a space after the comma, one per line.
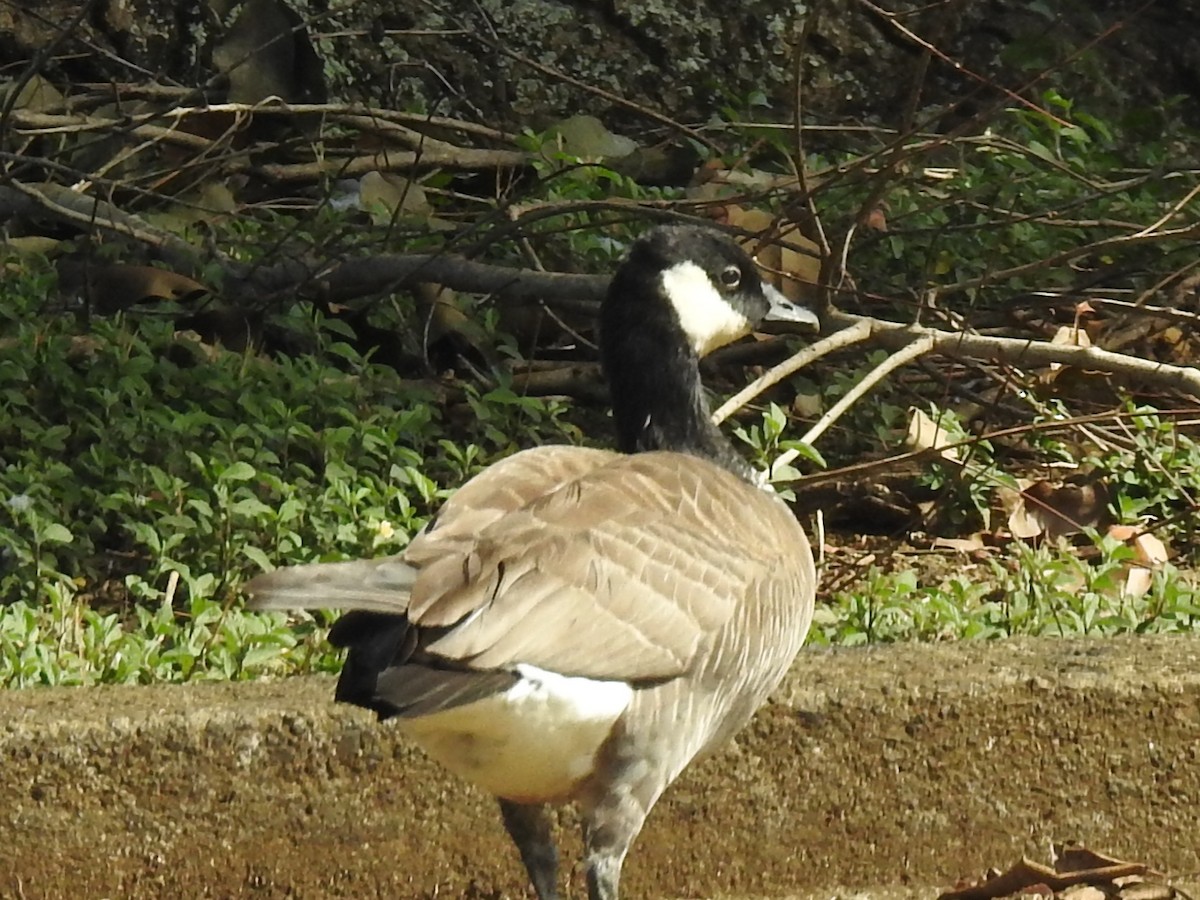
[681, 292]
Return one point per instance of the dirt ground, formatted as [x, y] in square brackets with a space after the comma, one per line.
[904, 768]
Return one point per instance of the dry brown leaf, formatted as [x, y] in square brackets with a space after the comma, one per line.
[37, 95]
[120, 286]
[924, 433]
[791, 262]
[1069, 336]
[1138, 581]
[1150, 553]
[1083, 892]
[386, 196]
[876, 219]
[1150, 549]
[1058, 510]
[1022, 524]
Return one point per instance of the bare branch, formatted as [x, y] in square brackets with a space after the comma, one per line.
[1022, 352]
[87, 211]
[1189, 232]
[855, 333]
[902, 357]
[447, 157]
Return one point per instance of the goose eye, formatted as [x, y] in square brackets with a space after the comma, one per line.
[731, 276]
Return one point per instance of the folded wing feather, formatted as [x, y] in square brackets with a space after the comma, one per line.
[581, 562]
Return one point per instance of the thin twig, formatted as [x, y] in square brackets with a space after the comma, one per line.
[1140, 302]
[902, 357]
[863, 469]
[1189, 232]
[811, 19]
[609, 96]
[836, 341]
[1170, 213]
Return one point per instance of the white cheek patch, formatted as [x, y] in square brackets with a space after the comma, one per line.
[707, 318]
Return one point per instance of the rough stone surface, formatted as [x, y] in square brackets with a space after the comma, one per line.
[903, 767]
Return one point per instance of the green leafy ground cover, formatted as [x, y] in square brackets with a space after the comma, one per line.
[144, 476]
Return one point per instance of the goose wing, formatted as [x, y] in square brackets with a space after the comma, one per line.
[621, 573]
[581, 562]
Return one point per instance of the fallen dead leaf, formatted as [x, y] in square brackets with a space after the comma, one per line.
[1043, 508]
[1150, 549]
[788, 259]
[925, 433]
[1149, 552]
[585, 137]
[1077, 874]
[1069, 336]
[1138, 581]
[876, 218]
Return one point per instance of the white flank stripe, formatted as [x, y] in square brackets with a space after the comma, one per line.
[534, 743]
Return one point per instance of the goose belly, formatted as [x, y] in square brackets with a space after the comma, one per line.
[533, 743]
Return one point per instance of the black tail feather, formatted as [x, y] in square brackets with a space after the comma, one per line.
[376, 641]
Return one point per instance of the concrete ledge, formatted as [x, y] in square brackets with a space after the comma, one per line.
[899, 767]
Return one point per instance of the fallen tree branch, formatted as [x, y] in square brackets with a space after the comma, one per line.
[1106, 245]
[427, 151]
[844, 337]
[446, 156]
[87, 211]
[363, 277]
[581, 381]
[902, 357]
[40, 124]
[277, 107]
[1023, 352]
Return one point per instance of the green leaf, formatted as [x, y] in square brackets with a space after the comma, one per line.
[256, 556]
[807, 451]
[54, 533]
[238, 471]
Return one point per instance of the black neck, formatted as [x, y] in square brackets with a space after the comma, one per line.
[658, 401]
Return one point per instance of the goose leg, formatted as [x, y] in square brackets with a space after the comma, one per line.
[609, 831]
[529, 827]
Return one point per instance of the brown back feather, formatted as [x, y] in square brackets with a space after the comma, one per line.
[623, 572]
